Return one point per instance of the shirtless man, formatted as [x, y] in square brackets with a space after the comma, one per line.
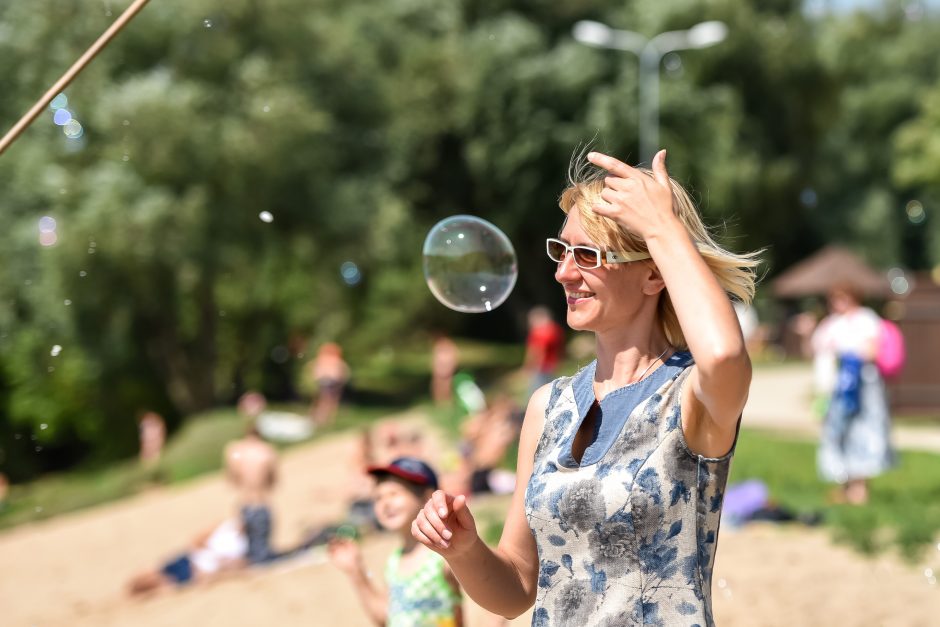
[251, 466]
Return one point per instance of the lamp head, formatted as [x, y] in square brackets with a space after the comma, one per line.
[592, 33]
[707, 34]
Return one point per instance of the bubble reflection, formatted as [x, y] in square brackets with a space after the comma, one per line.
[266, 216]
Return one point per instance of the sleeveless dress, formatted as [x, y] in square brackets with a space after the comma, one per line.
[423, 598]
[628, 536]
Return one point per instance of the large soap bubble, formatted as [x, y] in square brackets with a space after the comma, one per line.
[469, 264]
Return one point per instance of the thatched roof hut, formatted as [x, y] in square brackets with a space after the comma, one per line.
[830, 267]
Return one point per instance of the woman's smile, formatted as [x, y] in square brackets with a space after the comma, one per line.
[575, 298]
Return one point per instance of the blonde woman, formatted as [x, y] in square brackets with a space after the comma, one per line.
[625, 463]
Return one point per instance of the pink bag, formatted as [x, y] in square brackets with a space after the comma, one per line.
[891, 352]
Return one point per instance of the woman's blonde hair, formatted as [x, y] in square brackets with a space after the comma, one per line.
[735, 273]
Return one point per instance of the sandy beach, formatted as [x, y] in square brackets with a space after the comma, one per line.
[72, 570]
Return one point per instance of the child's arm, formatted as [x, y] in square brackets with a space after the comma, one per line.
[458, 605]
[346, 556]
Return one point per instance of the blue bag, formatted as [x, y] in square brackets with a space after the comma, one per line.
[847, 393]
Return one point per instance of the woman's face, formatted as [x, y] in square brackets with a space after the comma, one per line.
[602, 298]
[841, 302]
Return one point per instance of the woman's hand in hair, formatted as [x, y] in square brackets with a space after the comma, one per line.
[641, 203]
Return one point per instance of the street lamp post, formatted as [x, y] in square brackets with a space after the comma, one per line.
[650, 52]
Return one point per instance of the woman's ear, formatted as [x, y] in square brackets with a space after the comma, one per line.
[653, 283]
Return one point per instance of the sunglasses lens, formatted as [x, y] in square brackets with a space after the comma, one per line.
[585, 257]
[556, 250]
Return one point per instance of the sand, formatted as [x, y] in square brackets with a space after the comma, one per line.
[72, 570]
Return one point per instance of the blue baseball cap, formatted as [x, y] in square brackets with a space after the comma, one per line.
[410, 469]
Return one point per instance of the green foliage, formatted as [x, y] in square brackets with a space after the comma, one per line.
[358, 126]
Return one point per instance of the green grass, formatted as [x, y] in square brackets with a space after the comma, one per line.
[904, 508]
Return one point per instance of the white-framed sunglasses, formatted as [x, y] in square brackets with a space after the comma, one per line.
[588, 257]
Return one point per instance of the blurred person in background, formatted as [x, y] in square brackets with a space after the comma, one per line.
[625, 463]
[152, 433]
[544, 347]
[4, 491]
[252, 404]
[485, 439]
[445, 357]
[421, 589]
[855, 444]
[251, 467]
[331, 374]
[219, 549]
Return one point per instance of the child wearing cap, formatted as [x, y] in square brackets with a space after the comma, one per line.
[422, 590]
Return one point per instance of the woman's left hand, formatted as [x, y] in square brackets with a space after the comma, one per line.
[639, 203]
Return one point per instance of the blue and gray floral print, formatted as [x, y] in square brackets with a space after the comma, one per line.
[628, 535]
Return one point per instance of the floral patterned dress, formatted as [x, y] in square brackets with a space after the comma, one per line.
[628, 536]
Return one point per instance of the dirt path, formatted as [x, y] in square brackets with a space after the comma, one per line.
[71, 570]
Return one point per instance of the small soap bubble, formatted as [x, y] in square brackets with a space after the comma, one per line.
[82, 273]
[59, 102]
[126, 158]
[43, 426]
[48, 238]
[266, 109]
[38, 509]
[469, 264]
[61, 117]
[67, 302]
[266, 216]
[73, 129]
[207, 23]
[55, 350]
[280, 354]
[46, 224]
[350, 273]
[915, 212]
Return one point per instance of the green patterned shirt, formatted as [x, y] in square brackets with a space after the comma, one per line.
[423, 598]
